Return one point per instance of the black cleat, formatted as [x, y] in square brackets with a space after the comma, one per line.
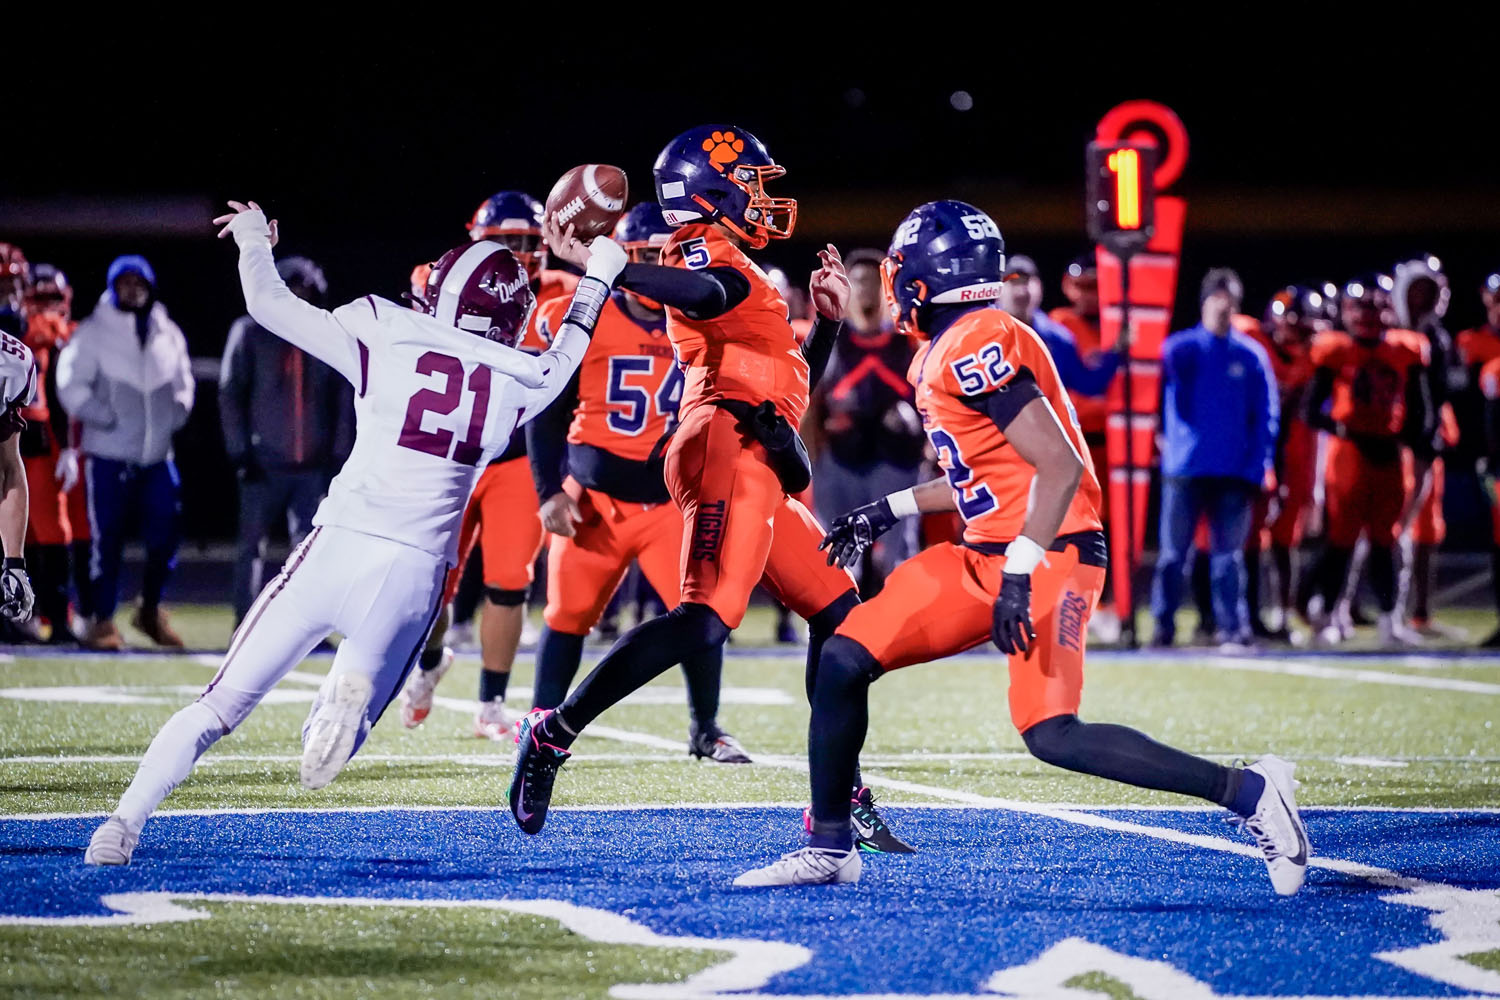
[716, 745]
[536, 770]
[870, 830]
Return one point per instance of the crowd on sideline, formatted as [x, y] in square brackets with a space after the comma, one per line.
[1322, 424]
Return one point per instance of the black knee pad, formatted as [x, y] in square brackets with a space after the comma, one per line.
[831, 617]
[504, 598]
[1051, 739]
[847, 665]
[702, 623]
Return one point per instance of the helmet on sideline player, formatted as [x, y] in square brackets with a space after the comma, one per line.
[1363, 305]
[944, 252]
[513, 219]
[482, 289]
[15, 275]
[1298, 307]
[718, 173]
[50, 290]
[641, 233]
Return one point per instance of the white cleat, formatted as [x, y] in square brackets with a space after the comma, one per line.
[1276, 826]
[1396, 633]
[416, 696]
[495, 722]
[112, 844]
[336, 720]
[809, 866]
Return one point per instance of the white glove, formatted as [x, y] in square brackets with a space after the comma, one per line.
[606, 260]
[16, 595]
[248, 225]
[67, 469]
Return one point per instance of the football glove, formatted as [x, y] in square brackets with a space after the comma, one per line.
[1010, 624]
[856, 531]
[784, 448]
[16, 595]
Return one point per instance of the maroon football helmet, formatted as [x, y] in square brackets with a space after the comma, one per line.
[481, 288]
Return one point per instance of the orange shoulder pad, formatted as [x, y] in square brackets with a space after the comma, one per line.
[979, 353]
[1327, 346]
[1412, 342]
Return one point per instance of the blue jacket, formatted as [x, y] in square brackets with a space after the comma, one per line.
[1080, 376]
[1219, 406]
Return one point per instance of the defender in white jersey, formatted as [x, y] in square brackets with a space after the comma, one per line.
[437, 394]
[17, 391]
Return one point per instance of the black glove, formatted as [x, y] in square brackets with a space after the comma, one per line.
[11, 422]
[247, 469]
[856, 531]
[1010, 627]
[784, 448]
[16, 595]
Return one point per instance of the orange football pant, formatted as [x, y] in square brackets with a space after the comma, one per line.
[48, 521]
[503, 516]
[940, 602]
[585, 570]
[739, 527]
[1361, 496]
[1298, 473]
[1428, 528]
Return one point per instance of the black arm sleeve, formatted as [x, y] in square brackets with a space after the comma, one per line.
[1418, 430]
[818, 347]
[547, 441]
[699, 294]
[57, 417]
[1322, 389]
[1006, 403]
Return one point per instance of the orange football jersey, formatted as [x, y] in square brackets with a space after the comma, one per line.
[1291, 364]
[553, 285]
[981, 352]
[1369, 379]
[1478, 346]
[629, 384]
[750, 352]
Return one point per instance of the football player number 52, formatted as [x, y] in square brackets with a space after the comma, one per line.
[444, 402]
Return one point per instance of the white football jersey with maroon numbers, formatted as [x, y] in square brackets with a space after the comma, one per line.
[433, 404]
[17, 373]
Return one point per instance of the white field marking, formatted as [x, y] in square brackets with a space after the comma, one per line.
[751, 963]
[499, 759]
[170, 695]
[1301, 668]
[1370, 762]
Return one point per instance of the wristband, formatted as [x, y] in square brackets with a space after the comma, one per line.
[588, 302]
[903, 504]
[1023, 555]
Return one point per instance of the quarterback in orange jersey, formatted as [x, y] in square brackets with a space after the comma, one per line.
[1370, 392]
[996, 412]
[503, 514]
[596, 457]
[735, 461]
[51, 464]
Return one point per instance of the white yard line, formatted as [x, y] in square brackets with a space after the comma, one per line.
[1302, 668]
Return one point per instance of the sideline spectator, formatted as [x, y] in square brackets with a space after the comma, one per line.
[127, 378]
[1219, 417]
[288, 425]
[865, 431]
[1020, 296]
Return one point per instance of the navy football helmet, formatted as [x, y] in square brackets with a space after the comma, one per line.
[642, 232]
[1299, 306]
[512, 219]
[718, 173]
[943, 252]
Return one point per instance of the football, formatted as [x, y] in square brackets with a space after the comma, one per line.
[591, 197]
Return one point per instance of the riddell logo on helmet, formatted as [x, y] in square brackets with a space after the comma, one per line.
[975, 294]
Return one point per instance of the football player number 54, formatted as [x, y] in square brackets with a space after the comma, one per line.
[444, 402]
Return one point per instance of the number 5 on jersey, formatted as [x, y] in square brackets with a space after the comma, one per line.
[444, 402]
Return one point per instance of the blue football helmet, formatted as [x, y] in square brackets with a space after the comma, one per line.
[718, 173]
[944, 252]
[1298, 306]
[514, 220]
[642, 232]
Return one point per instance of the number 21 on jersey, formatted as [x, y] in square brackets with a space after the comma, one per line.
[443, 402]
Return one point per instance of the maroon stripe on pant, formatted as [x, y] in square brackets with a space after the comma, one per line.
[261, 603]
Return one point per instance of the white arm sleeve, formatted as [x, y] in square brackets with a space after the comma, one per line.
[557, 364]
[304, 326]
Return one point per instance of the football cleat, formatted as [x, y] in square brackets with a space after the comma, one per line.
[716, 745]
[536, 770]
[494, 722]
[870, 830]
[1394, 632]
[809, 866]
[112, 844]
[333, 728]
[1276, 827]
[416, 696]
